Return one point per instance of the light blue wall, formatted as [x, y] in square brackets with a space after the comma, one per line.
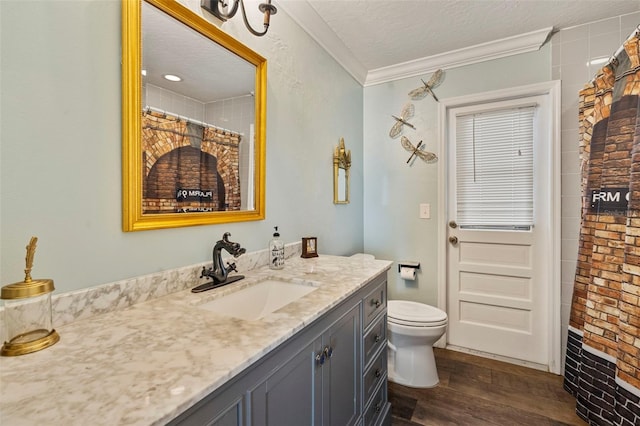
[394, 190]
[60, 127]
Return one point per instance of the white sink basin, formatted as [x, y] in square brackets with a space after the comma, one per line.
[258, 300]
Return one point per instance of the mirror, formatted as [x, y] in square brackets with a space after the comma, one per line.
[341, 165]
[193, 150]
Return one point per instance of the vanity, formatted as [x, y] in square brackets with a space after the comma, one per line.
[319, 360]
[333, 372]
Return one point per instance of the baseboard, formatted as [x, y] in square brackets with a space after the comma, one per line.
[506, 359]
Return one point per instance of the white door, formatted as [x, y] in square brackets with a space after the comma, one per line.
[499, 277]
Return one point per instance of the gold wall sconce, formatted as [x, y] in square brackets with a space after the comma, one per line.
[341, 166]
[222, 10]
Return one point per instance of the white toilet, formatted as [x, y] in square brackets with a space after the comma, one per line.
[413, 328]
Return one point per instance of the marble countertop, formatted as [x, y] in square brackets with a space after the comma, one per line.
[146, 364]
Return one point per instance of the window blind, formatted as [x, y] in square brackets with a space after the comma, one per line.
[494, 167]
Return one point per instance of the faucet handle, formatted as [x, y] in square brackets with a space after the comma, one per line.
[232, 266]
[204, 272]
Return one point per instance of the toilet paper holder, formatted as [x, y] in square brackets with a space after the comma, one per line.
[408, 264]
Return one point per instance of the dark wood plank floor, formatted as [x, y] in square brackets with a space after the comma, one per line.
[480, 391]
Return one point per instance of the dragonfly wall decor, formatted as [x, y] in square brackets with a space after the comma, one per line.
[421, 92]
[426, 156]
[407, 112]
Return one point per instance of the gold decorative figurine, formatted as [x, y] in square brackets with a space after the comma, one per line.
[27, 310]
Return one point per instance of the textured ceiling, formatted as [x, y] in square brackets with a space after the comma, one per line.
[209, 71]
[384, 33]
[373, 33]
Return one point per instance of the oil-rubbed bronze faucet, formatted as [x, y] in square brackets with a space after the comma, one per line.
[219, 272]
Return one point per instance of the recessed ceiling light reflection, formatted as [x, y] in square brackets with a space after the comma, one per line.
[172, 77]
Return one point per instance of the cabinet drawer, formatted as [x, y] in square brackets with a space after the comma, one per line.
[374, 303]
[374, 339]
[374, 375]
[376, 406]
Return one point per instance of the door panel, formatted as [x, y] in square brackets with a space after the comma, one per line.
[498, 253]
[495, 317]
[472, 283]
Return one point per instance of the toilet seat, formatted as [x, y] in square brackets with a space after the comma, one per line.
[414, 314]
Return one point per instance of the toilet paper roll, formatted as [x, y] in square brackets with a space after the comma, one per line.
[408, 274]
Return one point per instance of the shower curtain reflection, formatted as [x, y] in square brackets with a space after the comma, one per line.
[188, 167]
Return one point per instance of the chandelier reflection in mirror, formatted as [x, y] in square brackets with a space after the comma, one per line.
[224, 11]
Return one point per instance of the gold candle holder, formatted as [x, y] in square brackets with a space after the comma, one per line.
[27, 309]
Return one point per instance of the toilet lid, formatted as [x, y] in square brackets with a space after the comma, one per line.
[407, 312]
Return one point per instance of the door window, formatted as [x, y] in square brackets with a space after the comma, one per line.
[494, 167]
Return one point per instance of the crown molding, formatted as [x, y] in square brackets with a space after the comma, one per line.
[306, 16]
[496, 49]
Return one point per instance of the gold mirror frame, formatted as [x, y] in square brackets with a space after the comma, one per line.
[133, 218]
[341, 161]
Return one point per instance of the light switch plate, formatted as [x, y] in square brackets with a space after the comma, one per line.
[425, 211]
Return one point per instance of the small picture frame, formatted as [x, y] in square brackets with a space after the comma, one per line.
[309, 247]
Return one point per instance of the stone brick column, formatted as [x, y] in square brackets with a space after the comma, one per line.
[160, 135]
[601, 317]
[585, 245]
[225, 146]
[594, 116]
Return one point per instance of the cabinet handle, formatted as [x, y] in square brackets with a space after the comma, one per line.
[376, 303]
[378, 373]
[378, 407]
[328, 351]
[320, 358]
[377, 338]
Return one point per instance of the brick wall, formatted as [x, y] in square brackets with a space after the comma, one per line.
[600, 398]
[177, 157]
[573, 361]
[595, 400]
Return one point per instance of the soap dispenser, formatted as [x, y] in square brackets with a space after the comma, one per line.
[276, 251]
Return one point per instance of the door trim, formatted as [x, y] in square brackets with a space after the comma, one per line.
[552, 90]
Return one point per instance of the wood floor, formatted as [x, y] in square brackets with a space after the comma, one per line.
[480, 391]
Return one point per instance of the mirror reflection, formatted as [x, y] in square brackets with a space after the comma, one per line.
[198, 120]
[341, 166]
[342, 184]
[198, 156]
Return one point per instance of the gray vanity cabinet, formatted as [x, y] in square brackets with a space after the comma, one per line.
[291, 394]
[340, 371]
[318, 386]
[315, 378]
